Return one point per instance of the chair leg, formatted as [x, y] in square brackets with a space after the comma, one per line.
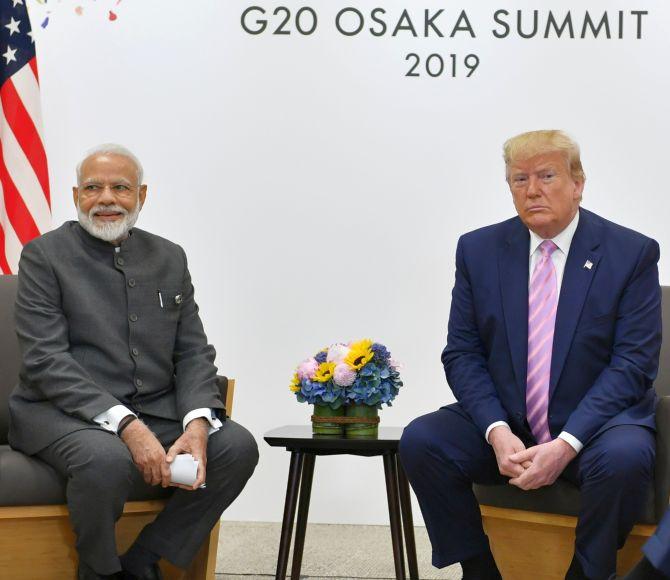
[292, 486]
[407, 521]
[391, 473]
[303, 511]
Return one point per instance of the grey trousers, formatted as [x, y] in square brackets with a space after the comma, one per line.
[100, 473]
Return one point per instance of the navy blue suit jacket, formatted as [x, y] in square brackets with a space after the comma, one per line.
[606, 339]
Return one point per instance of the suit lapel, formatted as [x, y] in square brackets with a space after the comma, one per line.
[580, 269]
[513, 260]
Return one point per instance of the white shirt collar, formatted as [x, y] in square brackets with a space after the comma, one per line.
[562, 240]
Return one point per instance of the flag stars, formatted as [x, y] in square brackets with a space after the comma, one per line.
[13, 26]
[10, 54]
[16, 2]
[32, 38]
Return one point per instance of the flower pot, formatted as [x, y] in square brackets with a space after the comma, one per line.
[367, 428]
[320, 423]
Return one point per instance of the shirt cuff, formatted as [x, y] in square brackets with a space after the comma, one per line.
[111, 418]
[206, 413]
[493, 426]
[571, 440]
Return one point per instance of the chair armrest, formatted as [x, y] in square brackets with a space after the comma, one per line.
[662, 487]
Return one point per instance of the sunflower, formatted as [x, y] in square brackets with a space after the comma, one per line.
[360, 354]
[295, 383]
[324, 372]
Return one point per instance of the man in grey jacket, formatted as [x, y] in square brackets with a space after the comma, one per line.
[118, 378]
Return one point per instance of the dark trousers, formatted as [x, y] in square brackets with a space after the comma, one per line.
[657, 549]
[443, 453]
[100, 473]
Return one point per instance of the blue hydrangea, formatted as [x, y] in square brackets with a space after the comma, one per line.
[320, 357]
[382, 354]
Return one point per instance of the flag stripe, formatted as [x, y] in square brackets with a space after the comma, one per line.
[28, 88]
[23, 128]
[17, 212]
[24, 178]
[33, 65]
[4, 266]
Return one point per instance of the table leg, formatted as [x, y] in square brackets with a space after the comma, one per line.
[407, 521]
[303, 510]
[294, 472]
[391, 473]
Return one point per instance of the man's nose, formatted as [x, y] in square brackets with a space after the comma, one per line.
[106, 196]
[533, 187]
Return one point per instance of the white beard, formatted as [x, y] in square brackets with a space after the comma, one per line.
[109, 231]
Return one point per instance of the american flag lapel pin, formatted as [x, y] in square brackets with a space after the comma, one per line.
[588, 264]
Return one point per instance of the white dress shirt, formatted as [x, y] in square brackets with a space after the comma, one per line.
[562, 241]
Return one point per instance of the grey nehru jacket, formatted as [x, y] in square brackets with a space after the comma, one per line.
[99, 328]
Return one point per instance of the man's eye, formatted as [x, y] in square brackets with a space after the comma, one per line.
[91, 187]
[548, 175]
[520, 179]
[121, 187]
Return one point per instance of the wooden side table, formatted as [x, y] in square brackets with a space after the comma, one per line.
[304, 447]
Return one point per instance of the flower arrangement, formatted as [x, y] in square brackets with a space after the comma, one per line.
[357, 373]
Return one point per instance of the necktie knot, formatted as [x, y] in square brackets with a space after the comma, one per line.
[548, 248]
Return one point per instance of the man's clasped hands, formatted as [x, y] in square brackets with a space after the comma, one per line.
[530, 468]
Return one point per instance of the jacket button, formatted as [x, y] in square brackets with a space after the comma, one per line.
[139, 382]
[131, 282]
[133, 318]
[120, 261]
[135, 352]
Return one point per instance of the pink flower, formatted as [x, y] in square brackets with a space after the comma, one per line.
[307, 368]
[394, 364]
[344, 375]
[337, 353]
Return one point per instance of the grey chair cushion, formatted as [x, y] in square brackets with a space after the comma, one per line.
[560, 498]
[662, 455]
[10, 358]
[26, 480]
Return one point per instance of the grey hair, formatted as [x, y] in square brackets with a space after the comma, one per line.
[111, 149]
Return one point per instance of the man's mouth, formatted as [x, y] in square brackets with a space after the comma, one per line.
[108, 215]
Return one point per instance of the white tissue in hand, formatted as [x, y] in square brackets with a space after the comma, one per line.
[184, 469]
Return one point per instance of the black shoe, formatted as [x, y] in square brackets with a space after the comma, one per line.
[481, 567]
[151, 572]
[85, 572]
[575, 571]
[644, 571]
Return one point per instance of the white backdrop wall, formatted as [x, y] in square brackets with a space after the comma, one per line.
[319, 192]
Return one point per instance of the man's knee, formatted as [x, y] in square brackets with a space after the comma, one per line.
[233, 447]
[626, 459]
[415, 443]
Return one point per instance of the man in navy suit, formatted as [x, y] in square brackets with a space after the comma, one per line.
[553, 344]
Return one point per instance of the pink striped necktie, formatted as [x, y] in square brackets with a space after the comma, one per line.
[542, 304]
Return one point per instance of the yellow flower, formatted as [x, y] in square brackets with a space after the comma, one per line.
[324, 372]
[295, 383]
[360, 354]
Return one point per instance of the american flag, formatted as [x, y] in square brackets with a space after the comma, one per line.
[25, 204]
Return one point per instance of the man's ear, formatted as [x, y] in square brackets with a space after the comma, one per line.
[143, 194]
[75, 196]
